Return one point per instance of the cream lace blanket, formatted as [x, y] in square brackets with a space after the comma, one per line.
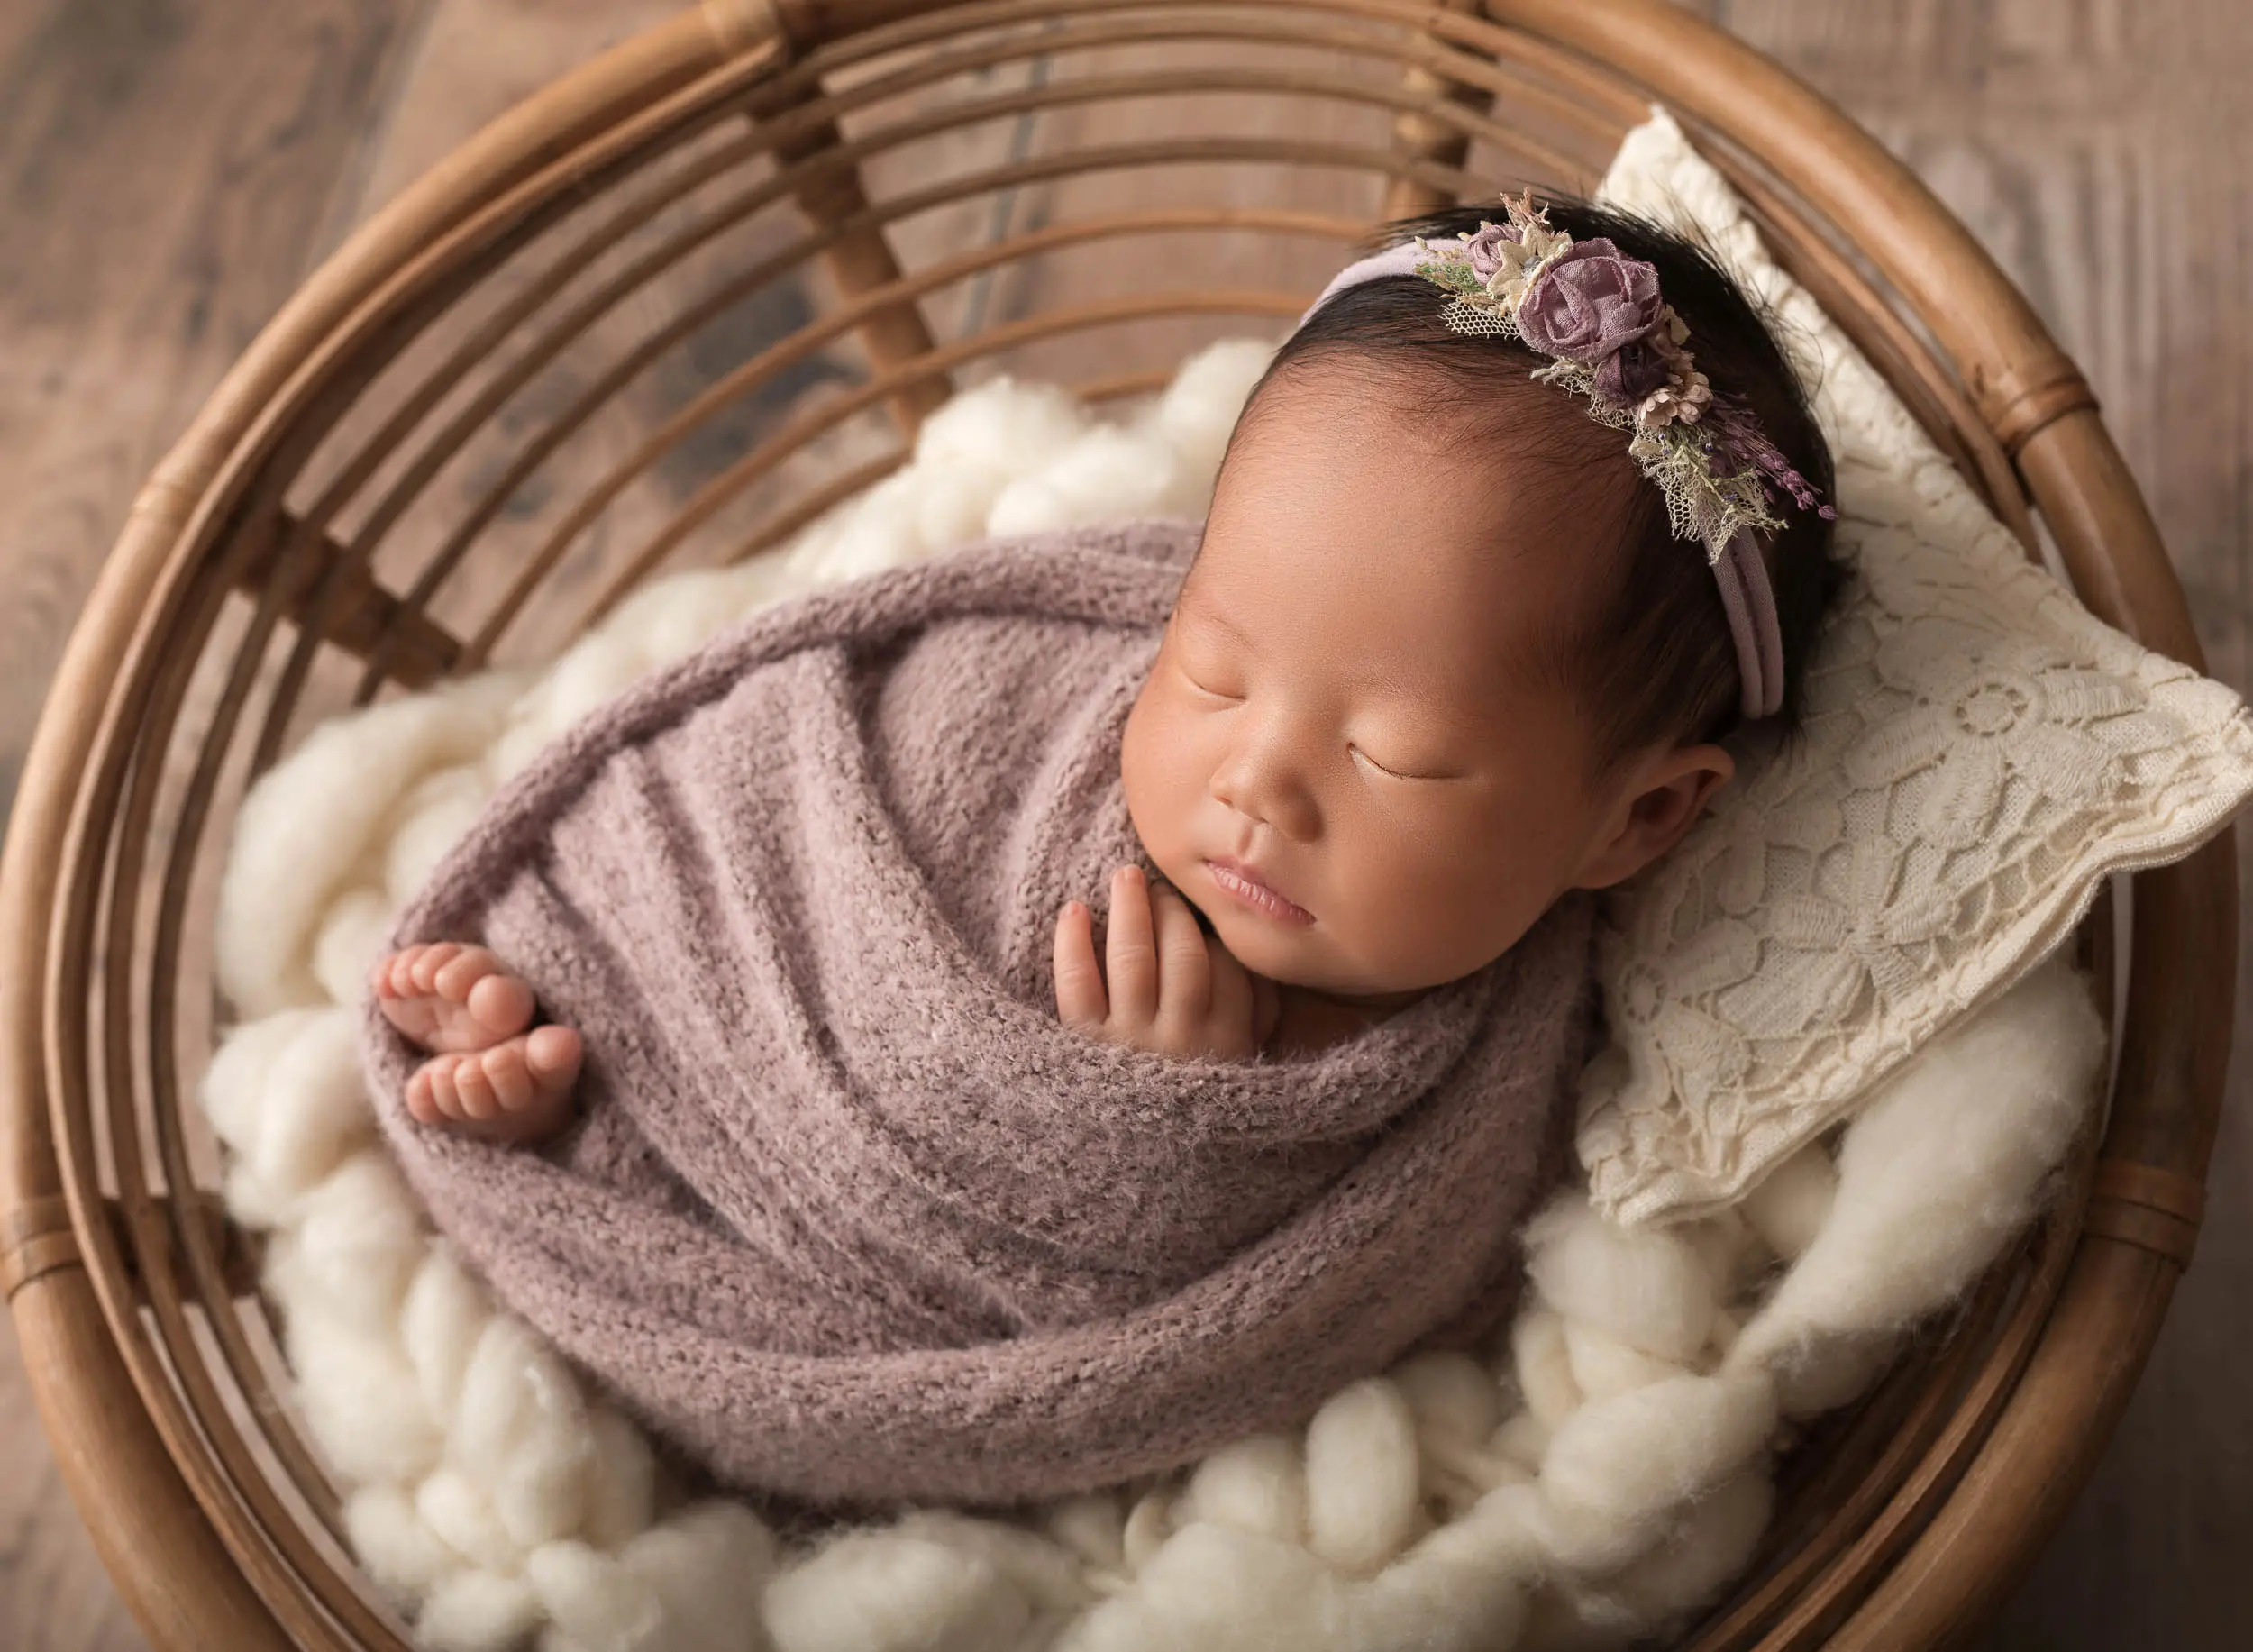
[1979, 755]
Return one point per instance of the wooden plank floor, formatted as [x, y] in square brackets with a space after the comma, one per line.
[170, 170]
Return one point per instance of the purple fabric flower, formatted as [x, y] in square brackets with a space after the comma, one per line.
[1589, 301]
[1485, 259]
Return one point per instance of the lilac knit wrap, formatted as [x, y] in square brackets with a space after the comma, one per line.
[849, 1216]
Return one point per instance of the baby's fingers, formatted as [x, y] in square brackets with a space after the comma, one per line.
[1184, 969]
[1080, 999]
[1131, 952]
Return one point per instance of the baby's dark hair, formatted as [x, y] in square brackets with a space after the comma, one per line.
[1651, 657]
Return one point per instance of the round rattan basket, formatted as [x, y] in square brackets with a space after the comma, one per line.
[676, 306]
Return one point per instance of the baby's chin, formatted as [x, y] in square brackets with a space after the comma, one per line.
[1304, 958]
[1322, 957]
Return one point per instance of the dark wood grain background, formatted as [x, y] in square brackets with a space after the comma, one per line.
[170, 168]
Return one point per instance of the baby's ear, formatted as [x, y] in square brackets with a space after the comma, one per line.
[1661, 799]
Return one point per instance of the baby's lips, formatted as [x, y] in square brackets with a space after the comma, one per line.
[1248, 887]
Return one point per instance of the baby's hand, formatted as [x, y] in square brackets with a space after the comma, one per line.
[1171, 990]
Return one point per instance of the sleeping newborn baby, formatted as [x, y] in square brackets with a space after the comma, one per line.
[1022, 1020]
[1441, 657]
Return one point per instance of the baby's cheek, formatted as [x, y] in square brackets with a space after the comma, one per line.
[1152, 773]
[1470, 898]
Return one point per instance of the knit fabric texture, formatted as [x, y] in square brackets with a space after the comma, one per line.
[848, 1215]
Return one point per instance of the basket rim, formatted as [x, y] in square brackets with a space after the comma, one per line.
[188, 1587]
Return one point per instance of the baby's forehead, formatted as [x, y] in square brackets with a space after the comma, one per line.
[1504, 465]
[1484, 534]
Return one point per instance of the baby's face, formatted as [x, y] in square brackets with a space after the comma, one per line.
[1346, 707]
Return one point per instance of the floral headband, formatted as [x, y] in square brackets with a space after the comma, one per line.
[1597, 312]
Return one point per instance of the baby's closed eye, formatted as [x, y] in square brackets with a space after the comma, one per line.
[1399, 773]
[1204, 687]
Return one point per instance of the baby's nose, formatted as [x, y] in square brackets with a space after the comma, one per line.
[1265, 786]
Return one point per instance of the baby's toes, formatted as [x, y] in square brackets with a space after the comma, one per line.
[394, 975]
[508, 1075]
[434, 1080]
[498, 1001]
[528, 1073]
[473, 1090]
[531, 1078]
[553, 1055]
[422, 1104]
[494, 1002]
[420, 964]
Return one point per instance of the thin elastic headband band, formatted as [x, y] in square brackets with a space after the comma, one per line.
[1749, 602]
[1400, 261]
[1739, 571]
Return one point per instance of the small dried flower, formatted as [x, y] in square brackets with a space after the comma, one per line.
[1516, 267]
[1483, 249]
[1683, 397]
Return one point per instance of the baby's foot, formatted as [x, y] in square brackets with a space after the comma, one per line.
[447, 996]
[519, 1091]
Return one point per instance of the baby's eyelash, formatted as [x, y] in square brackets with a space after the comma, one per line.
[1395, 773]
[1379, 767]
[1201, 689]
